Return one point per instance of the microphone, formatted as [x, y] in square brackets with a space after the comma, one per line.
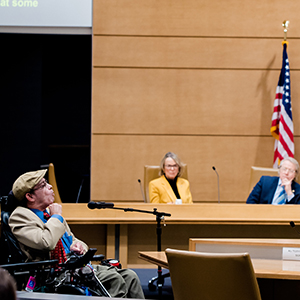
[213, 167]
[99, 205]
[143, 195]
[294, 226]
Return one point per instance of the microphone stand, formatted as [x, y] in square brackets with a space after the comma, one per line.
[214, 168]
[160, 216]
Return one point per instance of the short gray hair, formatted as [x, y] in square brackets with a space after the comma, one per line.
[293, 161]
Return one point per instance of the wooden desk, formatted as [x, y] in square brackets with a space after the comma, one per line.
[266, 254]
[214, 213]
[257, 248]
[122, 234]
[119, 234]
[263, 268]
[264, 243]
[156, 258]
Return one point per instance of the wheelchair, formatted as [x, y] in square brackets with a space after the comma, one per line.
[76, 276]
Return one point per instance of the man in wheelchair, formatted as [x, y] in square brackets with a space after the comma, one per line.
[42, 232]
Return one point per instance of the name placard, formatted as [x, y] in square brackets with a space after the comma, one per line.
[290, 253]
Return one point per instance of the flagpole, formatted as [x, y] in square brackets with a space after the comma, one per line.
[285, 25]
[282, 128]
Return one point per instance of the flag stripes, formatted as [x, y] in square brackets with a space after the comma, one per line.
[282, 127]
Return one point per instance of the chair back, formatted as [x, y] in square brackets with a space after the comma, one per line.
[52, 181]
[152, 172]
[257, 172]
[212, 276]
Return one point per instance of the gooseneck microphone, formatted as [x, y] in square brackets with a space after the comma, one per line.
[99, 205]
[293, 225]
[213, 167]
[143, 195]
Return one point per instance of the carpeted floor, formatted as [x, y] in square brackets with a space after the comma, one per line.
[147, 274]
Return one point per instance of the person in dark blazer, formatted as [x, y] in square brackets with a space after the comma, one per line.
[278, 190]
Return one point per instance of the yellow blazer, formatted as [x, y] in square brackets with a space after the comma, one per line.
[160, 191]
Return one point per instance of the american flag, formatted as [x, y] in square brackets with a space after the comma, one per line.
[282, 121]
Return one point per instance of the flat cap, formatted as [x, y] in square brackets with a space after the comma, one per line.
[26, 182]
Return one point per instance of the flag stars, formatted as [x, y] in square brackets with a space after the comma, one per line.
[287, 67]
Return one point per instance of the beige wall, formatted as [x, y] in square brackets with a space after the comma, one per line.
[194, 77]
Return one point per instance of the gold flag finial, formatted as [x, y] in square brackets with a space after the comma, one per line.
[285, 25]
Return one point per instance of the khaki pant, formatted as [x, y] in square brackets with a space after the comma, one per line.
[123, 283]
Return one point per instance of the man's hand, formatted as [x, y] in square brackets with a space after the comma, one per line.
[77, 248]
[287, 184]
[55, 209]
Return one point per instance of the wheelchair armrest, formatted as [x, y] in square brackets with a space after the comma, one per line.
[98, 257]
[27, 267]
[76, 261]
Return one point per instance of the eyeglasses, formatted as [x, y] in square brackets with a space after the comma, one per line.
[40, 185]
[171, 166]
[287, 170]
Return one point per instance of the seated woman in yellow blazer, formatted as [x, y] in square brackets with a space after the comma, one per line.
[169, 187]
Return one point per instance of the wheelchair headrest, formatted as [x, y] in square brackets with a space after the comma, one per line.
[9, 202]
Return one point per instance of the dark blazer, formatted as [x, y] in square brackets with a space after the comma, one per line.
[264, 191]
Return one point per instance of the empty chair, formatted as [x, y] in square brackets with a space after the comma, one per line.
[52, 181]
[212, 276]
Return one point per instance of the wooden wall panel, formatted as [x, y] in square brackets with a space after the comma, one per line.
[96, 237]
[197, 52]
[191, 76]
[185, 101]
[118, 163]
[195, 18]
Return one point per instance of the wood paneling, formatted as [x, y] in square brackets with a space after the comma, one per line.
[164, 101]
[195, 18]
[180, 52]
[118, 163]
[194, 77]
[96, 237]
